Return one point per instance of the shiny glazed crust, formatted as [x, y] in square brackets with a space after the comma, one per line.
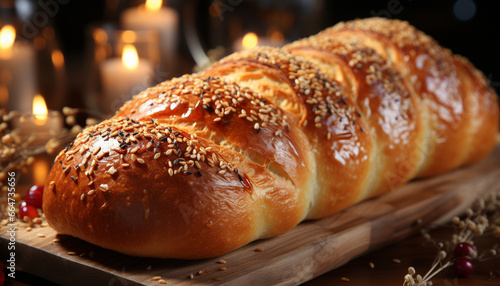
[203, 164]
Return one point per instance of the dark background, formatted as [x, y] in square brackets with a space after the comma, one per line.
[477, 38]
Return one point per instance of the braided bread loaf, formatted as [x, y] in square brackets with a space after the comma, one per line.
[203, 164]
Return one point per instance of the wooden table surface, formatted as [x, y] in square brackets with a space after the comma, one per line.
[390, 262]
[414, 251]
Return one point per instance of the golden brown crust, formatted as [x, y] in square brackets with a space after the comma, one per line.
[431, 71]
[203, 164]
[384, 99]
[328, 115]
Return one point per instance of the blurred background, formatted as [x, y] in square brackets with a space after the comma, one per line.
[96, 54]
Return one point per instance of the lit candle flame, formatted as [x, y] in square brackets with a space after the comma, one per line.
[40, 110]
[57, 58]
[130, 59]
[153, 5]
[7, 37]
[250, 40]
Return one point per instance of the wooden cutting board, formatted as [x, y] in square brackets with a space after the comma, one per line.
[307, 251]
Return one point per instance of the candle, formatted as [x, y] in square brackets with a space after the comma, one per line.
[152, 16]
[121, 78]
[251, 40]
[17, 71]
[42, 125]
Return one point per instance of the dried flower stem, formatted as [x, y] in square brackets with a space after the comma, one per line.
[483, 219]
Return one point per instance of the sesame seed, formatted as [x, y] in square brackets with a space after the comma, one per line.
[71, 253]
[141, 161]
[111, 170]
[89, 193]
[345, 279]
[258, 249]
[96, 150]
[82, 197]
[170, 171]
[221, 261]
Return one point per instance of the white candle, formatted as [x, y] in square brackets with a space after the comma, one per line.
[43, 124]
[122, 78]
[17, 71]
[154, 17]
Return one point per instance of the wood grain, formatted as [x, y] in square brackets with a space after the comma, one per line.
[305, 252]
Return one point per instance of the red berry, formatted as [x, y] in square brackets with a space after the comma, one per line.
[27, 210]
[34, 196]
[463, 266]
[464, 249]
